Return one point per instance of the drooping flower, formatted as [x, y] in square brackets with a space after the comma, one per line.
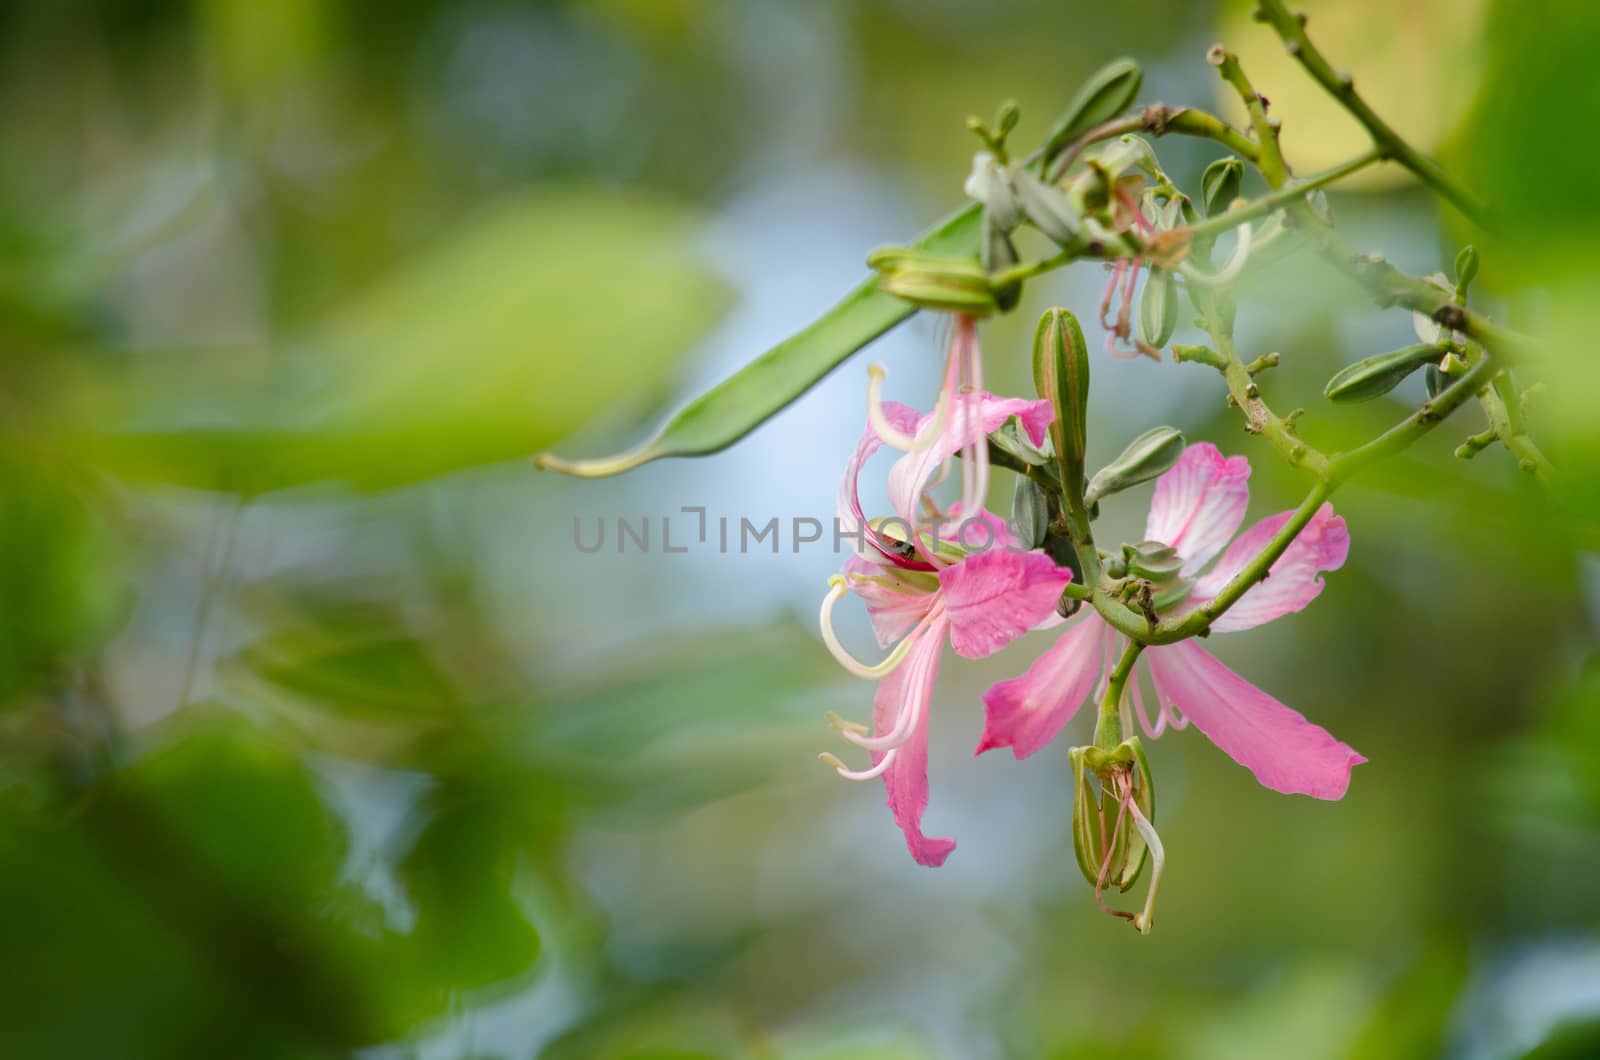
[960, 578]
[1197, 509]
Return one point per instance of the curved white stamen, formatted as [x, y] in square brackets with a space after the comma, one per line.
[886, 431]
[1229, 272]
[837, 589]
[911, 707]
[859, 774]
[1158, 861]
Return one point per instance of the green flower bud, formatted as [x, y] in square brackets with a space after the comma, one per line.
[954, 284]
[1146, 456]
[1108, 92]
[1466, 267]
[1030, 513]
[990, 184]
[1061, 375]
[1047, 207]
[1158, 308]
[1375, 376]
[1152, 560]
[1219, 185]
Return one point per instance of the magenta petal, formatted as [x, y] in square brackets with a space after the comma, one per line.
[906, 779]
[994, 597]
[894, 604]
[1199, 504]
[1292, 582]
[1285, 751]
[1026, 712]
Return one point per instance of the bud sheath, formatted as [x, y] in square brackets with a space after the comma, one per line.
[1061, 374]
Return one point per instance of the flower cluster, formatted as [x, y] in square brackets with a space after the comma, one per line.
[923, 584]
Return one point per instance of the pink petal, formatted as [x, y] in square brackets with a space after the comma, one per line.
[978, 532]
[903, 418]
[994, 597]
[894, 603]
[1285, 751]
[1026, 712]
[1199, 504]
[973, 416]
[1292, 582]
[906, 779]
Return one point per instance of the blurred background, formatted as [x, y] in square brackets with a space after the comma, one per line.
[320, 738]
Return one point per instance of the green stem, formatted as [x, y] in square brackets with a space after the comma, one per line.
[1291, 28]
[1156, 119]
[1283, 196]
[1500, 404]
[1108, 729]
[1269, 155]
[1432, 413]
[1242, 389]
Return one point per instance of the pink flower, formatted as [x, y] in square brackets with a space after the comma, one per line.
[1197, 509]
[966, 582]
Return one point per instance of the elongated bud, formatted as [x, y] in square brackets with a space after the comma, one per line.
[1030, 513]
[1061, 374]
[1147, 456]
[952, 284]
[1466, 268]
[1108, 92]
[1158, 309]
[1219, 185]
[1375, 376]
[1048, 208]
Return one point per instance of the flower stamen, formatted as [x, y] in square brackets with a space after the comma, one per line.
[837, 589]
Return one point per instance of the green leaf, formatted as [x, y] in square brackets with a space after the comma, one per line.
[760, 389]
[507, 336]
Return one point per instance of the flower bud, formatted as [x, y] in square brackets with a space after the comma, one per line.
[1047, 207]
[1158, 308]
[1375, 376]
[1061, 375]
[1146, 456]
[953, 284]
[1219, 185]
[1466, 266]
[1152, 560]
[990, 184]
[1108, 92]
[1030, 513]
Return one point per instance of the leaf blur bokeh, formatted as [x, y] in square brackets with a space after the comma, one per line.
[322, 734]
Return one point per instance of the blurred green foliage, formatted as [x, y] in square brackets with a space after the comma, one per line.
[294, 762]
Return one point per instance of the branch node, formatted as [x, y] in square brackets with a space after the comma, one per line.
[1262, 363]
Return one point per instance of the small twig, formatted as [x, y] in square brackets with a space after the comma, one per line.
[1291, 28]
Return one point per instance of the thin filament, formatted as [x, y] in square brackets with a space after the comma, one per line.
[836, 589]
